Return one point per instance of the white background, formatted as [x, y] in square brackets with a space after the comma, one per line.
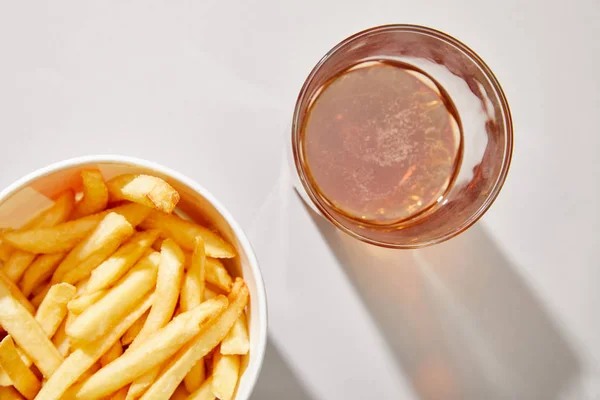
[507, 310]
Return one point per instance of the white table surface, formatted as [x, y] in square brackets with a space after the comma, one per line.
[508, 310]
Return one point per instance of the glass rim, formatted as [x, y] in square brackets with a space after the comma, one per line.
[508, 134]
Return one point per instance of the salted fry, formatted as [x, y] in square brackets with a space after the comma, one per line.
[65, 236]
[81, 303]
[84, 357]
[29, 335]
[121, 261]
[154, 350]
[185, 233]
[97, 319]
[201, 345]
[204, 392]
[113, 230]
[180, 393]
[21, 376]
[216, 274]
[236, 341]
[168, 282]
[226, 369]
[9, 393]
[15, 292]
[61, 341]
[134, 330]
[39, 271]
[95, 194]
[147, 190]
[54, 307]
[112, 354]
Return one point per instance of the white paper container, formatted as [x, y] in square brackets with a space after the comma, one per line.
[32, 193]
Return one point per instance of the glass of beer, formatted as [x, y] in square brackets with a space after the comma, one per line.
[401, 136]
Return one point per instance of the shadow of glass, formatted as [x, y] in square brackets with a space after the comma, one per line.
[461, 322]
[277, 380]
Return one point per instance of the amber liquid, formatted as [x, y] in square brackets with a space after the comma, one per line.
[382, 142]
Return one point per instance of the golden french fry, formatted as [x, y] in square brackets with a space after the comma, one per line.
[121, 261]
[147, 190]
[81, 303]
[95, 194]
[39, 271]
[61, 341]
[4, 379]
[54, 307]
[216, 274]
[209, 294]
[155, 349]
[204, 392]
[180, 393]
[168, 282]
[97, 319]
[6, 249]
[65, 236]
[16, 293]
[236, 341]
[39, 297]
[112, 354]
[194, 378]
[17, 264]
[141, 383]
[226, 369]
[120, 394]
[113, 230]
[29, 335]
[9, 393]
[135, 329]
[215, 331]
[23, 379]
[185, 233]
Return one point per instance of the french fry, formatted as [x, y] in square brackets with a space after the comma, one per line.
[65, 236]
[39, 271]
[4, 379]
[215, 331]
[9, 393]
[6, 249]
[54, 307]
[112, 354]
[42, 291]
[17, 264]
[97, 319]
[23, 379]
[204, 392]
[236, 341]
[216, 274]
[147, 190]
[61, 341]
[168, 282]
[135, 329]
[185, 232]
[28, 334]
[226, 369]
[209, 294]
[180, 393]
[155, 349]
[15, 292]
[192, 294]
[95, 194]
[83, 358]
[121, 261]
[81, 303]
[113, 230]
[120, 394]
[141, 383]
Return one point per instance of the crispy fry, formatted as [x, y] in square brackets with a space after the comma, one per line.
[54, 307]
[113, 230]
[185, 232]
[121, 261]
[168, 282]
[23, 379]
[236, 341]
[226, 369]
[15, 292]
[204, 342]
[95, 194]
[147, 190]
[9, 393]
[112, 354]
[81, 303]
[217, 274]
[61, 341]
[135, 329]
[180, 393]
[65, 236]
[28, 334]
[39, 271]
[97, 319]
[83, 358]
[204, 392]
[154, 350]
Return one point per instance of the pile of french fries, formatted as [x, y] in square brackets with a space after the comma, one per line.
[127, 302]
